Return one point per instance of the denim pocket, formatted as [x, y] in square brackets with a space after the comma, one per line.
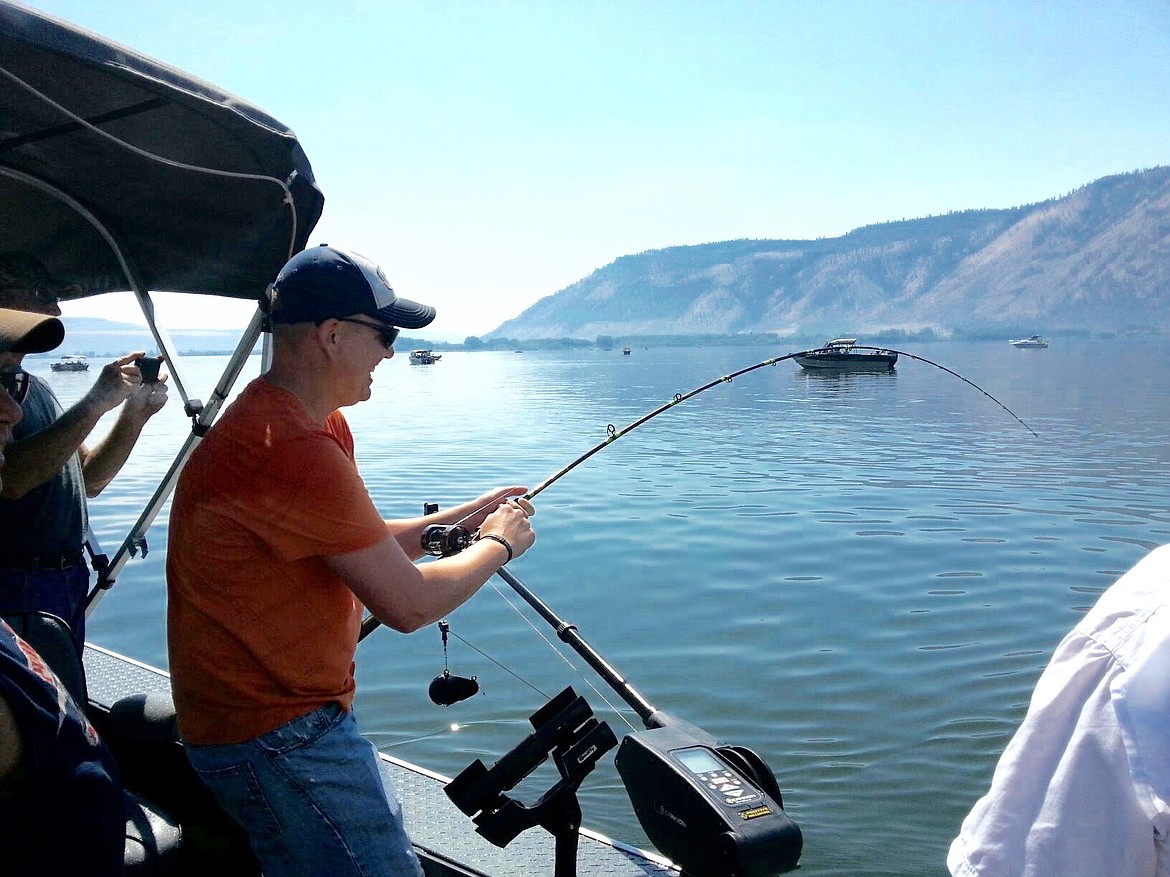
[301, 732]
[241, 795]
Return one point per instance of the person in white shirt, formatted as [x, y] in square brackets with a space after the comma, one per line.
[1083, 788]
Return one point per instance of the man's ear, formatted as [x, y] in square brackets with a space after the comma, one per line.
[326, 335]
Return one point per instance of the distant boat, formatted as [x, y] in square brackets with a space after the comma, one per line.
[424, 357]
[71, 364]
[1031, 341]
[840, 355]
[625, 351]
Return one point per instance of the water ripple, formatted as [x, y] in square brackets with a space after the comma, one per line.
[861, 579]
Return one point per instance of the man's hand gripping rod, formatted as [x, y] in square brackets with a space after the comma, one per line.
[443, 540]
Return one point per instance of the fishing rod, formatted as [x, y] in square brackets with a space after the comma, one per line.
[443, 540]
[712, 807]
[615, 434]
[718, 787]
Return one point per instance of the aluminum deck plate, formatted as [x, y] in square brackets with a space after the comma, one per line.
[444, 837]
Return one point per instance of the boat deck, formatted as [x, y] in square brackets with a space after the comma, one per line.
[444, 837]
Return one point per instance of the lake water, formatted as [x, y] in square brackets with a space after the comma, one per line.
[859, 576]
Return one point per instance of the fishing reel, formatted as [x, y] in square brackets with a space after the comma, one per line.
[443, 540]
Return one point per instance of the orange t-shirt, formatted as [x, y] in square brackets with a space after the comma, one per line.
[260, 631]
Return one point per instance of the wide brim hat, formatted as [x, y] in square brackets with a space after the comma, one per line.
[323, 282]
[24, 332]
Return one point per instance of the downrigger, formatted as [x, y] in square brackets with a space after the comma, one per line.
[714, 809]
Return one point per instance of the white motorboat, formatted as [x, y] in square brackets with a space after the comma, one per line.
[1031, 342]
[71, 363]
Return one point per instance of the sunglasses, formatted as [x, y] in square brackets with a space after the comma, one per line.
[15, 384]
[388, 334]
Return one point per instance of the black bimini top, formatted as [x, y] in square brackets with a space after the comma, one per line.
[120, 172]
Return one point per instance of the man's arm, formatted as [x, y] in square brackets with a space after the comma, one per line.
[37, 458]
[406, 597]
[408, 531]
[103, 462]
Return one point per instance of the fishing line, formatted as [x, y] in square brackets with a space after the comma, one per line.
[446, 630]
[497, 663]
[556, 650]
[453, 728]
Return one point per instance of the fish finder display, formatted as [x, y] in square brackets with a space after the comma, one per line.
[698, 760]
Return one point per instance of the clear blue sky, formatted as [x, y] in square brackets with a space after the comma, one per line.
[487, 154]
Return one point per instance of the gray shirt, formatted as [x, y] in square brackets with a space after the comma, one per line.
[51, 518]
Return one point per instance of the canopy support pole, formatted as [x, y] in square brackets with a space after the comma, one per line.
[202, 417]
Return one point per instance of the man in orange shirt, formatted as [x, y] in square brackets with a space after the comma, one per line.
[275, 548]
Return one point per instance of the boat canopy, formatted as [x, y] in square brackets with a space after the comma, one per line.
[121, 173]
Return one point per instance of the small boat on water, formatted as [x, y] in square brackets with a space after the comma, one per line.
[424, 357]
[843, 354]
[625, 351]
[1031, 342]
[100, 143]
[73, 363]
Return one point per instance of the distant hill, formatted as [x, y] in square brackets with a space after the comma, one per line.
[1094, 261]
[92, 336]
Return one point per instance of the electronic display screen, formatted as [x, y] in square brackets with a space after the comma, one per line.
[698, 760]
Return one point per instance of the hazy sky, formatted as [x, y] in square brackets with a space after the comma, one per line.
[488, 154]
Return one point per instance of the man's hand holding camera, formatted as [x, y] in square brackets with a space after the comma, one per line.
[148, 398]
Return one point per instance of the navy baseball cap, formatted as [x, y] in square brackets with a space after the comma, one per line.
[323, 282]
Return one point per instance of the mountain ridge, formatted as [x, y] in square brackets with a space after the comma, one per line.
[1096, 259]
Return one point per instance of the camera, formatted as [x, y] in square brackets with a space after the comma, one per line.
[149, 366]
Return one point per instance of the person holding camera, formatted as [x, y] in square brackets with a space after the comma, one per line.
[54, 769]
[50, 471]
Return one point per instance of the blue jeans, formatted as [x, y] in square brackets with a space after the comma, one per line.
[313, 799]
[61, 592]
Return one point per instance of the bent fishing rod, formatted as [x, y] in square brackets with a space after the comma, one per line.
[615, 434]
[443, 540]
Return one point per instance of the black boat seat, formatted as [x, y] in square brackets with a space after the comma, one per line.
[51, 637]
[153, 838]
[145, 718]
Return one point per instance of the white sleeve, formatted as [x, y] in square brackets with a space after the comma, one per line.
[1062, 801]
